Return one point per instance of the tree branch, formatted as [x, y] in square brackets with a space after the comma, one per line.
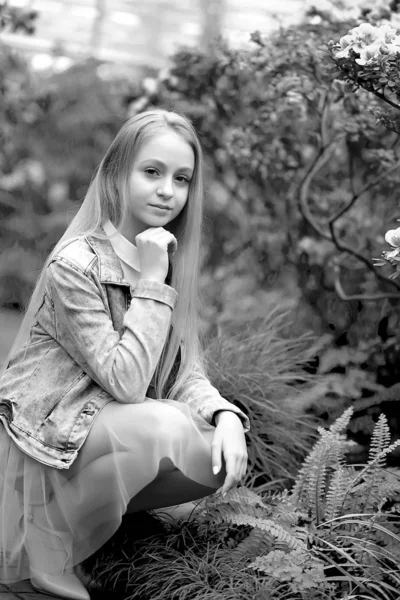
[356, 195]
[319, 161]
[383, 97]
[349, 250]
[363, 297]
[324, 119]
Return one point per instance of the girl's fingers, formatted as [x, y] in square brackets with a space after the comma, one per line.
[244, 467]
[216, 453]
[232, 473]
[160, 234]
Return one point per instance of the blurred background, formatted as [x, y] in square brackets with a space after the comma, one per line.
[74, 63]
[258, 82]
[137, 34]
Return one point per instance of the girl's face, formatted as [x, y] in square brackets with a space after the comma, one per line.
[159, 181]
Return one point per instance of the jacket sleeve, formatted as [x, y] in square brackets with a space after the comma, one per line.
[204, 398]
[122, 365]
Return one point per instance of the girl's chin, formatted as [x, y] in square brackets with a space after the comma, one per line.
[160, 222]
[158, 218]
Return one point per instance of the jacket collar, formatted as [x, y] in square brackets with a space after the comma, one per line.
[110, 269]
[125, 250]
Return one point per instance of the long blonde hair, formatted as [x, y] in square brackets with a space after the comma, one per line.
[107, 198]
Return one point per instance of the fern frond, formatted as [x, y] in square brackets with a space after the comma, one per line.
[362, 476]
[240, 495]
[286, 512]
[317, 490]
[328, 453]
[257, 542]
[289, 518]
[299, 489]
[341, 424]
[338, 487]
[269, 526]
[240, 501]
[380, 440]
[363, 494]
[313, 478]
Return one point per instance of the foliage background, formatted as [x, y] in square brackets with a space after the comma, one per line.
[301, 185]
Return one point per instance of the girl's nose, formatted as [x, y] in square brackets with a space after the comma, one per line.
[166, 189]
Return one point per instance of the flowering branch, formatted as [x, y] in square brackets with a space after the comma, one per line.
[369, 57]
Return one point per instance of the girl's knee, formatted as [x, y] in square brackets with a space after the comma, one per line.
[151, 421]
[169, 422]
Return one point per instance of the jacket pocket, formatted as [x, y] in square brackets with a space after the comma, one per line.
[59, 399]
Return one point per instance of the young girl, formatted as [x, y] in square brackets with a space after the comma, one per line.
[104, 403]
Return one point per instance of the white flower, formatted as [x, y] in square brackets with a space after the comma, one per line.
[374, 53]
[394, 46]
[386, 33]
[346, 43]
[369, 54]
[393, 254]
[365, 33]
[370, 42]
[392, 237]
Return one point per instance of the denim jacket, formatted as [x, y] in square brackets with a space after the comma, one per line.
[94, 340]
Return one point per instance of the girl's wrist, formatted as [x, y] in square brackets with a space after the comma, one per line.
[157, 278]
[222, 414]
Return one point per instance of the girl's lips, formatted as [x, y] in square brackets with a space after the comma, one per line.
[160, 207]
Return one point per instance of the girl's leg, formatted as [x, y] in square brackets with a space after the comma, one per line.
[129, 447]
[168, 489]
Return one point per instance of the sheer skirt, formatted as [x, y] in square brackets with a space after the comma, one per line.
[47, 513]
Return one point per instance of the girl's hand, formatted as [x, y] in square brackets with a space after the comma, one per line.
[153, 246]
[229, 443]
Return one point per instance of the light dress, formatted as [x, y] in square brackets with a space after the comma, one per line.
[120, 457]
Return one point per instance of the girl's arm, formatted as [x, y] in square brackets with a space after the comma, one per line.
[204, 398]
[124, 365]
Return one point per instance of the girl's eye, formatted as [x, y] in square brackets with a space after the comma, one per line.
[182, 179]
[150, 171]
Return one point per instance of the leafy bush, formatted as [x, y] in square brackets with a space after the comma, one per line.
[335, 534]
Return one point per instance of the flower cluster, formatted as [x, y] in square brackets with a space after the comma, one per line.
[372, 43]
[392, 257]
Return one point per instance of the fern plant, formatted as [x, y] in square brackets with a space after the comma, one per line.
[335, 527]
